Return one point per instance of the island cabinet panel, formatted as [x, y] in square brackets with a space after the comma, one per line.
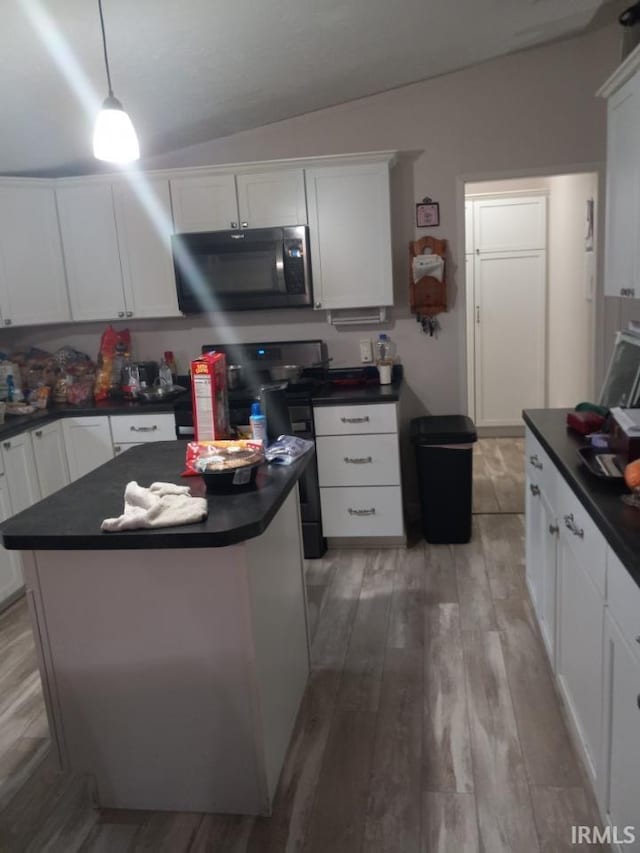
[33, 287]
[20, 470]
[204, 203]
[50, 458]
[272, 199]
[10, 561]
[88, 444]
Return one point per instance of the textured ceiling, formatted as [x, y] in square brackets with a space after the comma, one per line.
[191, 70]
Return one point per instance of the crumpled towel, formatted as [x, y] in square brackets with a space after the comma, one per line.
[431, 264]
[161, 505]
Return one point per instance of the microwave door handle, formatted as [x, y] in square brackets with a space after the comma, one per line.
[282, 282]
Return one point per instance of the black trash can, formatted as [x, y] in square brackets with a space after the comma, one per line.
[444, 456]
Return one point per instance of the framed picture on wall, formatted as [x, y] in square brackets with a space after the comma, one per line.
[427, 214]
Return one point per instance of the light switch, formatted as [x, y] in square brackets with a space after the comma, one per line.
[366, 353]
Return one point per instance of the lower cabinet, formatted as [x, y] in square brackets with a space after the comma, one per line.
[87, 443]
[50, 458]
[541, 561]
[10, 562]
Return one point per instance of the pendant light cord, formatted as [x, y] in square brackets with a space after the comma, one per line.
[104, 47]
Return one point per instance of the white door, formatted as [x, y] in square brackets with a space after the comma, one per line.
[33, 287]
[272, 199]
[350, 235]
[92, 256]
[204, 203]
[145, 226]
[10, 562]
[622, 700]
[20, 471]
[468, 227]
[50, 458]
[514, 224]
[509, 326]
[623, 191]
[88, 444]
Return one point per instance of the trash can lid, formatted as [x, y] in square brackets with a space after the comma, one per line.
[442, 429]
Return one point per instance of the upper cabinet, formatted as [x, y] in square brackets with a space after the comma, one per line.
[622, 261]
[350, 234]
[32, 277]
[223, 202]
[90, 242]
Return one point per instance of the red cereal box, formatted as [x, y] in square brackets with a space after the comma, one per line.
[209, 394]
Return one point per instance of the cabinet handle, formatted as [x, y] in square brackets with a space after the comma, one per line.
[535, 490]
[129, 313]
[143, 428]
[1, 473]
[6, 445]
[570, 524]
[7, 322]
[638, 700]
[363, 460]
[120, 313]
[244, 224]
[317, 305]
[627, 291]
[38, 433]
[352, 511]
[364, 420]
[638, 639]
[116, 448]
[535, 461]
[554, 529]
[233, 224]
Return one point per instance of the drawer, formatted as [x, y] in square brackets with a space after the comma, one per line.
[358, 460]
[350, 420]
[623, 599]
[362, 511]
[139, 429]
[540, 468]
[582, 536]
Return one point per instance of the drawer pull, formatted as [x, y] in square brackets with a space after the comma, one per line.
[38, 433]
[570, 524]
[535, 461]
[364, 420]
[6, 445]
[362, 460]
[352, 511]
[638, 639]
[535, 490]
[554, 529]
[144, 428]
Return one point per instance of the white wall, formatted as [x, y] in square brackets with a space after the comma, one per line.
[529, 112]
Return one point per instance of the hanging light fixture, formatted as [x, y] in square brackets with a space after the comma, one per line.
[114, 136]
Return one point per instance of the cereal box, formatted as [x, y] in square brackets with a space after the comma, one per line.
[209, 394]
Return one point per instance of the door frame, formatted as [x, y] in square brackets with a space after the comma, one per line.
[471, 301]
[599, 168]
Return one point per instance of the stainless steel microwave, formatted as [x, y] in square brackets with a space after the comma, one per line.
[241, 270]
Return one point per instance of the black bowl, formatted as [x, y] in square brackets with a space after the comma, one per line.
[241, 479]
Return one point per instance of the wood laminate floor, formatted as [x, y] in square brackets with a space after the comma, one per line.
[430, 723]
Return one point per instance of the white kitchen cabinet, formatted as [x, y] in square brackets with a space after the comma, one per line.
[579, 646]
[33, 286]
[87, 441]
[20, 470]
[144, 227]
[622, 264]
[271, 199]
[350, 235]
[50, 458]
[10, 561]
[534, 542]
[541, 561]
[620, 788]
[92, 257]
[204, 203]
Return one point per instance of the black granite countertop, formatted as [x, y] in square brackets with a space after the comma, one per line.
[15, 424]
[618, 523]
[70, 519]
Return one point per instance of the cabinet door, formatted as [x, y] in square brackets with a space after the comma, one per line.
[510, 224]
[10, 562]
[548, 575]
[50, 458]
[33, 287]
[20, 471]
[350, 234]
[88, 445]
[622, 214]
[92, 257]
[534, 543]
[204, 203]
[579, 645]
[144, 223]
[622, 732]
[272, 199]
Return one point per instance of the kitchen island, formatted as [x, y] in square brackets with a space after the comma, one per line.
[173, 660]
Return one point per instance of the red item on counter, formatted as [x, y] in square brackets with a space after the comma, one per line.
[584, 423]
[209, 395]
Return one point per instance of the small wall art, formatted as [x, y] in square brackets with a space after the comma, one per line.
[427, 213]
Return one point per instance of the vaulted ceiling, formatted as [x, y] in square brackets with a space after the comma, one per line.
[191, 70]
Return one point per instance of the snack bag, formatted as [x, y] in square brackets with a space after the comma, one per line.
[115, 348]
[221, 455]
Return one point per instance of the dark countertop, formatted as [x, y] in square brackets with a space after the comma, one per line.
[618, 523]
[347, 396]
[70, 519]
[15, 424]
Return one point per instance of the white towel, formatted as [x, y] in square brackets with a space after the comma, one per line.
[432, 265]
[161, 505]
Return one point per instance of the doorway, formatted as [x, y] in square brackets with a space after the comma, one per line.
[530, 283]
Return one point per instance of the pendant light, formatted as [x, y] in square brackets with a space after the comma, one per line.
[114, 137]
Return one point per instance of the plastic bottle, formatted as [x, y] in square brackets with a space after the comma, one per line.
[164, 374]
[385, 353]
[258, 423]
